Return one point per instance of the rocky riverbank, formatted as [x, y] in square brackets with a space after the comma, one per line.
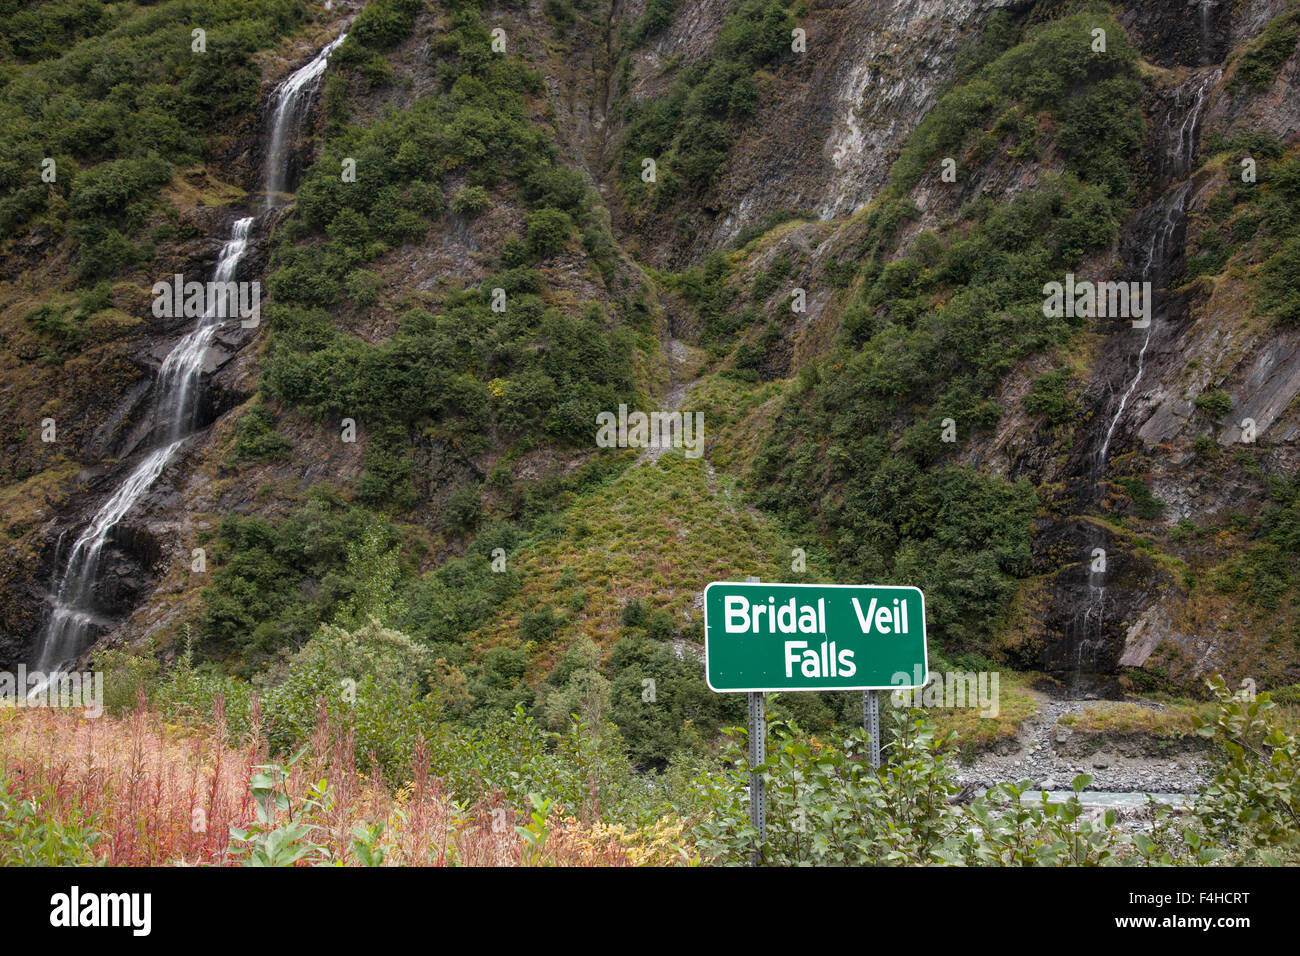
[1050, 755]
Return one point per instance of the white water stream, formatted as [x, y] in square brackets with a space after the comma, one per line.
[68, 631]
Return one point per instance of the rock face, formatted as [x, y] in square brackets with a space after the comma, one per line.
[823, 141]
[828, 126]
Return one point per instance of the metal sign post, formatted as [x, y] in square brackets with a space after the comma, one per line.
[757, 756]
[768, 638]
[871, 721]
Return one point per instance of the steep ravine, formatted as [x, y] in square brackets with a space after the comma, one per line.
[88, 597]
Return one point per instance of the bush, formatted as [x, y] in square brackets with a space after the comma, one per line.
[1279, 284]
[690, 131]
[29, 837]
[1259, 64]
[256, 438]
[470, 201]
[538, 626]
[1250, 804]
[272, 584]
[548, 231]
[1215, 402]
[634, 613]
[383, 23]
[1050, 396]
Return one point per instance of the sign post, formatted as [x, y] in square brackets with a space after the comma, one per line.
[757, 756]
[871, 723]
[811, 637]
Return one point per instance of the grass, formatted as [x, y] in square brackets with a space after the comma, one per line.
[975, 733]
[660, 532]
[1125, 718]
[142, 792]
[732, 415]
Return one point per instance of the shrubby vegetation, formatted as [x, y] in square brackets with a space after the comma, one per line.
[273, 583]
[115, 96]
[1092, 97]
[1259, 64]
[467, 374]
[30, 837]
[256, 438]
[826, 805]
[689, 131]
[931, 333]
[1257, 222]
[1269, 570]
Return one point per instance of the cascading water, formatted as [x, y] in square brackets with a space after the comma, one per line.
[73, 615]
[182, 369]
[1158, 253]
[292, 99]
[1180, 131]
[68, 631]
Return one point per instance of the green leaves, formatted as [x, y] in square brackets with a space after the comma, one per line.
[535, 832]
[1251, 801]
[269, 842]
[29, 838]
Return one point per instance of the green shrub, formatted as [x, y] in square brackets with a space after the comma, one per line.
[548, 231]
[1259, 64]
[1215, 402]
[538, 626]
[1148, 506]
[107, 91]
[256, 438]
[661, 704]
[1050, 396]
[272, 584]
[29, 837]
[689, 132]
[1250, 805]
[470, 201]
[382, 24]
[1279, 284]
[656, 18]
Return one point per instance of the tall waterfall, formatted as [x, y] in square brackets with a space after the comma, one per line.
[177, 390]
[1159, 252]
[182, 370]
[1162, 220]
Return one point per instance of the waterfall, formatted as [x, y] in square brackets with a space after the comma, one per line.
[73, 615]
[292, 99]
[183, 367]
[1158, 251]
[68, 631]
[1180, 131]
[1207, 54]
[1181, 137]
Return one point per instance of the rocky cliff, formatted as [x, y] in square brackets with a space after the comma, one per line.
[804, 221]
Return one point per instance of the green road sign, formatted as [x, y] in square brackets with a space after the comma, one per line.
[773, 637]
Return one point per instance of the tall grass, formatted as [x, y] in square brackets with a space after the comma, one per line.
[156, 794]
